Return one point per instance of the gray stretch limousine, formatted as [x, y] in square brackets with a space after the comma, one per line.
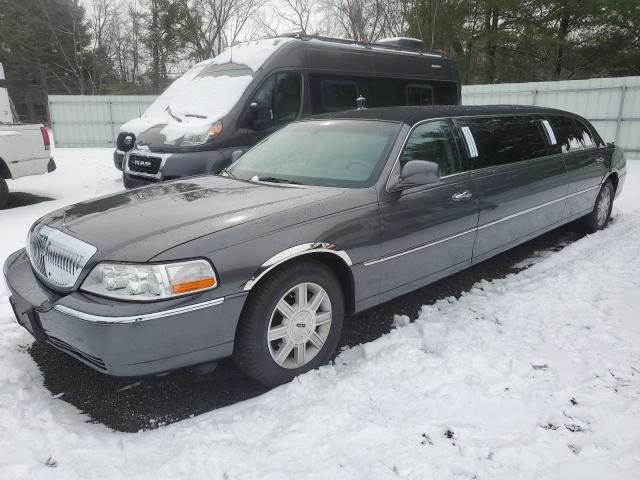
[324, 218]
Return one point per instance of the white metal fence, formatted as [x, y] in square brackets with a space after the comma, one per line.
[93, 120]
[612, 104]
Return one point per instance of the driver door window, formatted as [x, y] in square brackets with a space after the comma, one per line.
[281, 92]
[433, 142]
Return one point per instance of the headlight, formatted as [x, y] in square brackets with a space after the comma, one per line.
[192, 140]
[146, 282]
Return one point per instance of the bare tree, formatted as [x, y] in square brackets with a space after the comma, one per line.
[361, 20]
[298, 13]
[211, 25]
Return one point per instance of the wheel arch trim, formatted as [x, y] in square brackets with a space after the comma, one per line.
[294, 252]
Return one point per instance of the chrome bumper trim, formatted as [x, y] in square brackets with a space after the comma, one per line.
[136, 318]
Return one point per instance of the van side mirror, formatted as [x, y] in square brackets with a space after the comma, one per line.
[416, 172]
[260, 116]
[236, 154]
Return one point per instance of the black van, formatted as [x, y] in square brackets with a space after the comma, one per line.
[223, 106]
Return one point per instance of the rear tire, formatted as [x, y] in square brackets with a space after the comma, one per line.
[4, 193]
[280, 336]
[599, 217]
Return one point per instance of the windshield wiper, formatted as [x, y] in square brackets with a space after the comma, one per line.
[274, 180]
[168, 110]
[227, 173]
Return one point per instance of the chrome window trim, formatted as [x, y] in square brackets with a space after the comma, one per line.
[470, 141]
[456, 125]
[479, 227]
[136, 318]
[404, 144]
[293, 252]
[551, 136]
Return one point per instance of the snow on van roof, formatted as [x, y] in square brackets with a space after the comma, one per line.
[253, 53]
[197, 99]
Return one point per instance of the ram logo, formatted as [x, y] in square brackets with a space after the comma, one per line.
[141, 163]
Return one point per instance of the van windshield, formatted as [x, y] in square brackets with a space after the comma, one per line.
[210, 89]
[205, 90]
[338, 153]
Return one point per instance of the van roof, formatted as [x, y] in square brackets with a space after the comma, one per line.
[412, 115]
[372, 46]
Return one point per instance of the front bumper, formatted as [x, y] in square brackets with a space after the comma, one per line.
[124, 338]
[173, 165]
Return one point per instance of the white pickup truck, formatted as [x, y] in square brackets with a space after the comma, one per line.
[24, 150]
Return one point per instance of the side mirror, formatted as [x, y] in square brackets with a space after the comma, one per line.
[416, 172]
[261, 116]
[236, 154]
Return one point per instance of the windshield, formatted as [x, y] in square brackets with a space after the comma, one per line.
[340, 153]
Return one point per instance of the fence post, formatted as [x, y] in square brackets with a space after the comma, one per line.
[535, 95]
[623, 93]
[111, 121]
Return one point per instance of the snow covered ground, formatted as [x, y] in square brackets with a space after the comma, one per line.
[533, 376]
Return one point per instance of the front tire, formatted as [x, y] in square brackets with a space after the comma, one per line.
[291, 323]
[601, 214]
[4, 193]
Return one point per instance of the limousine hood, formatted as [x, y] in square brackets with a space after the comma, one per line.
[136, 225]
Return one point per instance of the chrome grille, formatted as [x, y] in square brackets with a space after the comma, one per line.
[56, 257]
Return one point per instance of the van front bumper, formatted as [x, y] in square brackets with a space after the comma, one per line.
[172, 165]
[123, 338]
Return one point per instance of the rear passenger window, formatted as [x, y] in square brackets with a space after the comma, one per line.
[502, 140]
[339, 95]
[432, 142]
[571, 135]
[419, 95]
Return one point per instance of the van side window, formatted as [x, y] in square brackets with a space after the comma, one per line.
[571, 135]
[419, 95]
[282, 93]
[503, 140]
[339, 95]
[432, 142]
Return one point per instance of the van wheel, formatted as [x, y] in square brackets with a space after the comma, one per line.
[291, 323]
[4, 193]
[599, 217]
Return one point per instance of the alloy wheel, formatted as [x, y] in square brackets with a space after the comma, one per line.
[604, 205]
[299, 325]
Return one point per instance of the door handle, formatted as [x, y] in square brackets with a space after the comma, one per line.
[461, 196]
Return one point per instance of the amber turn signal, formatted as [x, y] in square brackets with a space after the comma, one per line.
[193, 285]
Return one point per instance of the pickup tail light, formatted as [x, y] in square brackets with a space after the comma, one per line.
[45, 138]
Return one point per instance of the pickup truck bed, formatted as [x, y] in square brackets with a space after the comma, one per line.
[24, 150]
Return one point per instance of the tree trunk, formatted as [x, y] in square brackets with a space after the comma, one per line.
[492, 24]
[562, 37]
[155, 47]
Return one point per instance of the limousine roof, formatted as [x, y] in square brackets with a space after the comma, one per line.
[411, 115]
